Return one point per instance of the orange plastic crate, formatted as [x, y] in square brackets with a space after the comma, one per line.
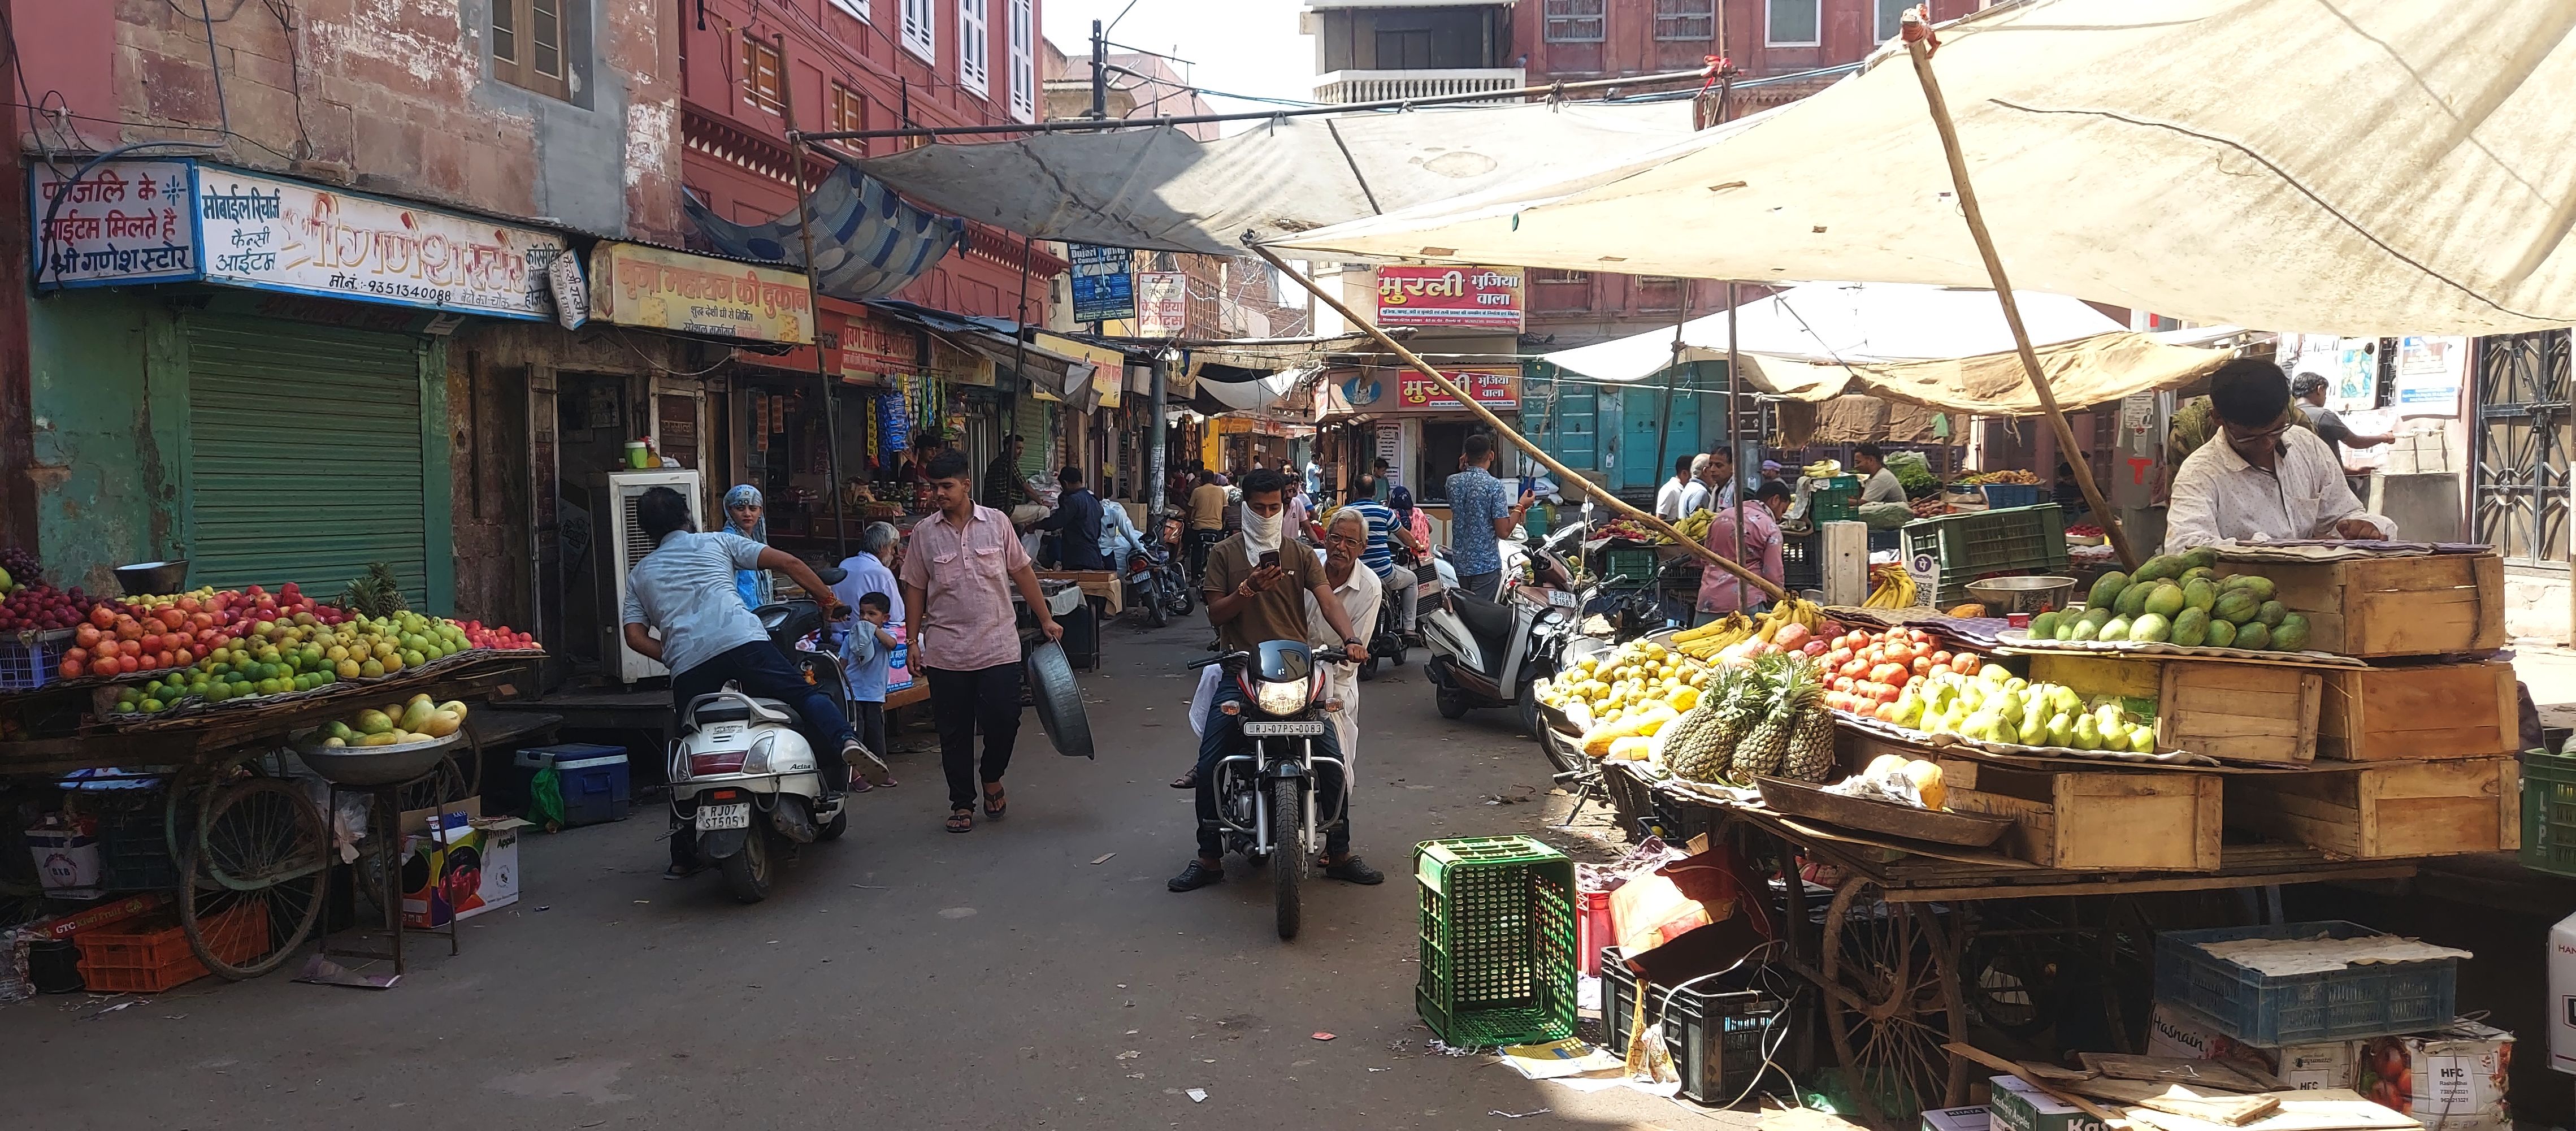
[154, 955]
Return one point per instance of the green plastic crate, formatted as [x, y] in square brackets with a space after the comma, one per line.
[1835, 499]
[2549, 812]
[1637, 565]
[1498, 950]
[1983, 543]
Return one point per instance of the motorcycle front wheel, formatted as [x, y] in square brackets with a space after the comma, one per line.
[1288, 856]
[748, 873]
[1156, 615]
[1179, 603]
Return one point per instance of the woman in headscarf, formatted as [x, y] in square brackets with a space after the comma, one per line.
[744, 515]
[1401, 501]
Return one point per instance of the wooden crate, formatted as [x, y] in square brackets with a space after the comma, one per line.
[2239, 712]
[2426, 711]
[2385, 810]
[2094, 819]
[2419, 606]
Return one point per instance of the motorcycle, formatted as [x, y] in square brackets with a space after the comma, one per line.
[1155, 584]
[745, 782]
[1265, 790]
[1386, 642]
[1492, 653]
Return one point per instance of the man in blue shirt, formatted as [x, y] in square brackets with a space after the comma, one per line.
[1479, 520]
[1395, 582]
[1077, 519]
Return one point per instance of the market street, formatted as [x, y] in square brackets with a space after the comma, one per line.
[995, 979]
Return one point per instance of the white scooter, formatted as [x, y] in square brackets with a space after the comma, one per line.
[745, 782]
[1491, 653]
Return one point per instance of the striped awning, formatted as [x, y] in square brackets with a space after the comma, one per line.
[868, 242]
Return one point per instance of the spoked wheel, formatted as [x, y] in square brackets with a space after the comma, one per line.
[254, 875]
[748, 873]
[1891, 1002]
[1288, 863]
[1156, 615]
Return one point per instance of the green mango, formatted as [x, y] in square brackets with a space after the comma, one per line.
[2043, 627]
[2116, 628]
[2236, 607]
[2107, 589]
[2098, 615]
[2254, 637]
[2222, 634]
[2196, 573]
[2190, 627]
[2291, 635]
[2133, 600]
[2198, 593]
[2271, 613]
[2161, 568]
[2150, 629]
[2166, 600]
[2200, 557]
[2261, 587]
[2085, 629]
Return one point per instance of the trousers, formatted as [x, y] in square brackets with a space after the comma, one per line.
[1221, 737]
[1485, 585]
[961, 702]
[763, 673]
[1403, 586]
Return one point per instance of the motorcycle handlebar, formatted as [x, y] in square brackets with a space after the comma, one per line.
[1327, 655]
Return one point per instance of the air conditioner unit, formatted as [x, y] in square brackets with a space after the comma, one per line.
[627, 545]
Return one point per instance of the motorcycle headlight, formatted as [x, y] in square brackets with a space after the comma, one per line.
[1286, 697]
[757, 762]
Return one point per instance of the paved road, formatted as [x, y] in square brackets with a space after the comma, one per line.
[905, 976]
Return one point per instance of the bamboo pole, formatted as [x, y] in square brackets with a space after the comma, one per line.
[814, 307]
[1917, 36]
[1564, 475]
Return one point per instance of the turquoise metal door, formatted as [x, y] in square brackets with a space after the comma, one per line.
[1643, 408]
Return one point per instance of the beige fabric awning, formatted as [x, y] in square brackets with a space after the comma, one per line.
[2091, 371]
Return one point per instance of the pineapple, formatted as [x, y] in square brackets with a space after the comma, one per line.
[1762, 750]
[1703, 741]
[1811, 742]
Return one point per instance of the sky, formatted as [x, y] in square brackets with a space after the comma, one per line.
[1237, 46]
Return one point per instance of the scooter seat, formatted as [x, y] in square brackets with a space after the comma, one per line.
[787, 714]
[1485, 620]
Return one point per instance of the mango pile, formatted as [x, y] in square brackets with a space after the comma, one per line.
[418, 720]
[2180, 599]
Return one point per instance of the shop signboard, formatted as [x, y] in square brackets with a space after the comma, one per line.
[1484, 298]
[957, 365]
[873, 344]
[125, 222]
[1108, 372]
[635, 285]
[272, 234]
[2429, 372]
[1103, 288]
[1498, 391]
[1162, 303]
[1390, 442]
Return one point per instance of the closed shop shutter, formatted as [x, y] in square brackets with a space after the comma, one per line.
[1035, 424]
[304, 457]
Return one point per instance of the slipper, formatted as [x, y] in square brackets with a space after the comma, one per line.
[961, 821]
[997, 803]
[1189, 780]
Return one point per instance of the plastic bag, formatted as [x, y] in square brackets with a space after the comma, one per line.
[1886, 516]
[545, 799]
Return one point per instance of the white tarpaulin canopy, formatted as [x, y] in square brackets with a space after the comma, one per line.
[2362, 166]
[1161, 189]
[1846, 323]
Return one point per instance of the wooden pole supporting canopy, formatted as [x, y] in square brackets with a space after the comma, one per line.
[1565, 476]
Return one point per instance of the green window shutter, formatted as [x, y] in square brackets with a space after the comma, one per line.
[305, 456]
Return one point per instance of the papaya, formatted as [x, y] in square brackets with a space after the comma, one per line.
[2107, 590]
[2200, 557]
[2152, 628]
[2271, 613]
[2291, 635]
[2117, 628]
[2165, 600]
[2237, 606]
[2133, 600]
[440, 724]
[2221, 634]
[2191, 627]
[2163, 567]
[2255, 636]
[2199, 594]
[2043, 627]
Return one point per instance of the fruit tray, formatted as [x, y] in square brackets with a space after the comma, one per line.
[1909, 735]
[2018, 640]
[1798, 799]
[193, 707]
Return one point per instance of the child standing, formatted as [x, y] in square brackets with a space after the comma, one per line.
[867, 650]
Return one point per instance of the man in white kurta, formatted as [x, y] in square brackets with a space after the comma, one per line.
[2261, 479]
[1357, 586]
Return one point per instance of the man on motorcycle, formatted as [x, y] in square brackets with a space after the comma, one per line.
[1256, 586]
[1346, 538]
[685, 589]
[1395, 583]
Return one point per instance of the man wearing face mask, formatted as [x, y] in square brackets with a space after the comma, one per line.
[2264, 480]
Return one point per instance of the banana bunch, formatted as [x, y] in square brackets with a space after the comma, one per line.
[1798, 611]
[1694, 526]
[1716, 636]
[1822, 468]
[1893, 588]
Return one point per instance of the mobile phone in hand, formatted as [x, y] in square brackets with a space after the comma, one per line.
[1270, 559]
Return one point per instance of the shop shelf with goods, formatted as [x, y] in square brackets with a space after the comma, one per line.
[1497, 941]
[1970, 546]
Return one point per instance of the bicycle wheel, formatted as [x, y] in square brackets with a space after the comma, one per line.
[252, 879]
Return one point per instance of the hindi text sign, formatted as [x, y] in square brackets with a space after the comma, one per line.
[1497, 391]
[635, 285]
[124, 222]
[272, 234]
[1162, 303]
[1481, 297]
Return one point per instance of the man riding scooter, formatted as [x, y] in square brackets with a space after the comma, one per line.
[684, 589]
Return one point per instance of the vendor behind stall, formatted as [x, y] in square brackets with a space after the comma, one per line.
[2267, 480]
[1877, 483]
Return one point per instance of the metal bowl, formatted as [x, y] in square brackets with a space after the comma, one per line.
[152, 577]
[2003, 596]
[376, 765]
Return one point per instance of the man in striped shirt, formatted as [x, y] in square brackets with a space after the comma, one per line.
[1393, 580]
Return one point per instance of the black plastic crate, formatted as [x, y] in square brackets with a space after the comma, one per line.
[1802, 563]
[133, 851]
[1715, 1036]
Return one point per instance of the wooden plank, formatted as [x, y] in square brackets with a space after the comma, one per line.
[2215, 1107]
[2051, 1088]
[2091, 820]
[2202, 1074]
[2141, 885]
[2136, 677]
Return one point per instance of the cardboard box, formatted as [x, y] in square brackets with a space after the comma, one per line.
[460, 872]
[2452, 1080]
[2562, 995]
[2019, 1107]
[2174, 1031]
[1958, 1119]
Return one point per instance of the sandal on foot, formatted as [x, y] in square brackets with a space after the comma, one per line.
[961, 820]
[1189, 780]
[997, 803]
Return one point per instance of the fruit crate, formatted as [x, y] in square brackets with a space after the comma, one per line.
[1802, 563]
[2003, 495]
[1638, 565]
[1497, 955]
[29, 660]
[1715, 1036]
[154, 956]
[2549, 812]
[133, 849]
[1834, 499]
[1981, 543]
[2295, 1009]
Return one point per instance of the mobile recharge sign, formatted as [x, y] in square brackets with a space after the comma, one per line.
[1103, 288]
[634, 285]
[1484, 298]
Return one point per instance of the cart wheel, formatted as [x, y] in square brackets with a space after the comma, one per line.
[445, 784]
[254, 876]
[1891, 1001]
[2017, 961]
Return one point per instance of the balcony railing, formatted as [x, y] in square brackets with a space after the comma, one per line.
[1345, 87]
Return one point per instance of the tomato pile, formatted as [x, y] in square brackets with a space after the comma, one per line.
[1867, 672]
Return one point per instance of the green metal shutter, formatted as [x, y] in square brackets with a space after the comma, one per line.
[1033, 421]
[304, 456]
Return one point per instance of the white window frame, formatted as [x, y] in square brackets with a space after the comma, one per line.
[1771, 38]
[1664, 19]
[974, 47]
[1024, 60]
[1559, 17]
[921, 29]
[857, 9]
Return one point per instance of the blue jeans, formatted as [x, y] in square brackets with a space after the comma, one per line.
[1224, 736]
[1486, 585]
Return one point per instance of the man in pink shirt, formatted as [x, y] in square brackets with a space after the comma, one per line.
[1757, 544]
[957, 581]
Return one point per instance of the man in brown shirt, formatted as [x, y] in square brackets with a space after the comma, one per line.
[1250, 603]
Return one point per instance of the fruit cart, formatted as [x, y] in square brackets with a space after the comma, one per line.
[246, 843]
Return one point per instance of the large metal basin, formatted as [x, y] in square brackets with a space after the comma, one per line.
[376, 765]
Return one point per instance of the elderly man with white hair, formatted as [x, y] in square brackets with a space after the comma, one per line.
[1344, 541]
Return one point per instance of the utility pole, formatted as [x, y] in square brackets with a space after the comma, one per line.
[1099, 71]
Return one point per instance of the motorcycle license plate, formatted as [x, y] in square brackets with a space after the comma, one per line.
[714, 817]
[1283, 730]
[1561, 599]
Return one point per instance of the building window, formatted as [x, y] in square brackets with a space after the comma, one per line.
[858, 8]
[1794, 23]
[1686, 20]
[528, 41]
[1024, 60]
[764, 75]
[974, 48]
[1891, 17]
[1575, 21]
[1659, 292]
[849, 112]
[1560, 291]
[1544, 277]
[920, 30]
